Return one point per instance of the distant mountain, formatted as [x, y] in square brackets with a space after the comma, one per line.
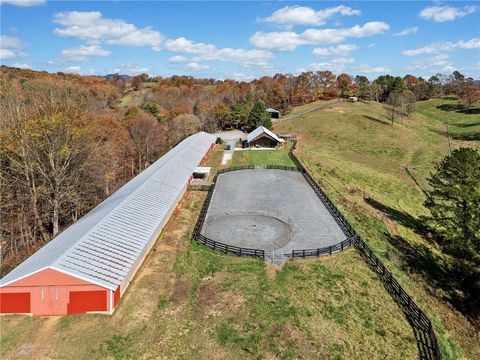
[124, 77]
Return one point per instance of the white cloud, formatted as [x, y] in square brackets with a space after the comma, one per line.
[21, 66]
[196, 66]
[288, 40]
[184, 45]
[300, 15]
[367, 69]
[339, 50]
[444, 46]
[446, 13]
[23, 2]
[371, 45]
[241, 77]
[177, 59]
[6, 54]
[10, 47]
[407, 31]
[79, 70]
[130, 69]
[82, 53]
[258, 65]
[209, 52]
[336, 65]
[437, 63]
[92, 27]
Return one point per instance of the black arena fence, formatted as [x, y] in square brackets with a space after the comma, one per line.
[422, 326]
[216, 245]
[327, 250]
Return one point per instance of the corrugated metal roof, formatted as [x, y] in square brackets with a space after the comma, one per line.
[260, 130]
[108, 243]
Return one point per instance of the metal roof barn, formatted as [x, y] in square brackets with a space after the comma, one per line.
[103, 250]
[260, 132]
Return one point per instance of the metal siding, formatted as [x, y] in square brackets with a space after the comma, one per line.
[107, 244]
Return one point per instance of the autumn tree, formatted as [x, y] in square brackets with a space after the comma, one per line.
[344, 82]
[182, 126]
[148, 137]
[136, 83]
[470, 94]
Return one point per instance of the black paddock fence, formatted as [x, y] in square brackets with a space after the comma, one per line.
[248, 252]
[422, 326]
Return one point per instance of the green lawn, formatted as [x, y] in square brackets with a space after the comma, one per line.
[262, 157]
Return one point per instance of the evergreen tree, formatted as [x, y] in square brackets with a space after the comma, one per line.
[258, 115]
[454, 204]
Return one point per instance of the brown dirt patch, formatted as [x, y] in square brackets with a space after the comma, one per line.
[272, 270]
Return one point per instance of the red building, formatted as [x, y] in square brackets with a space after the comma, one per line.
[88, 266]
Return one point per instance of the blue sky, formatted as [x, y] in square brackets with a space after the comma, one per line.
[241, 40]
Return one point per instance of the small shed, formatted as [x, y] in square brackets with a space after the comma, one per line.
[262, 137]
[274, 114]
[353, 99]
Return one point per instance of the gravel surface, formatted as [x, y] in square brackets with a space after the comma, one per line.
[273, 210]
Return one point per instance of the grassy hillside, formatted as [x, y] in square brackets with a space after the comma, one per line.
[376, 172]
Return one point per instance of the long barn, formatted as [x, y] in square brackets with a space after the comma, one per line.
[89, 265]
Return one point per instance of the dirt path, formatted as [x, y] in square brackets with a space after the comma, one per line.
[39, 348]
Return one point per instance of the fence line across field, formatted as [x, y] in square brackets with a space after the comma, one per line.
[422, 326]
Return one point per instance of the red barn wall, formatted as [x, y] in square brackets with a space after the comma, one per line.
[50, 293]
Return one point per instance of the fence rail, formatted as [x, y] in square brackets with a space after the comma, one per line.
[422, 326]
[319, 107]
[327, 250]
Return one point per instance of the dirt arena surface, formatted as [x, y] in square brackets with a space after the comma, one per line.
[272, 210]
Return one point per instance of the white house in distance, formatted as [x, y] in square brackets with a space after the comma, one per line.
[262, 137]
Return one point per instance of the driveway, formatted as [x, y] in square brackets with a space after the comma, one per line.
[228, 154]
[230, 138]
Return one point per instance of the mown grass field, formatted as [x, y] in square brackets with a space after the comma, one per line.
[375, 172]
[188, 302]
[262, 157]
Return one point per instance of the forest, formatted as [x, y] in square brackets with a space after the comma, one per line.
[69, 141]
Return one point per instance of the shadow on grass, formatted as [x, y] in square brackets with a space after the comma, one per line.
[444, 274]
[463, 137]
[383, 122]
[401, 217]
[459, 108]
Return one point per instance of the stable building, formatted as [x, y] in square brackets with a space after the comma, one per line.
[274, 114]
[261, 137]
[88, 266]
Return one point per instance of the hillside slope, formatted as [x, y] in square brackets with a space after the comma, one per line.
[376, 172]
